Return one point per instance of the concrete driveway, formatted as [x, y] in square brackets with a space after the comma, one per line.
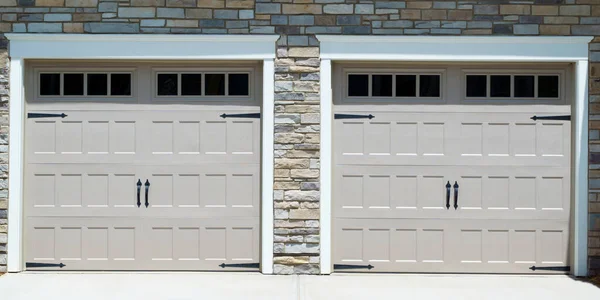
[214, 286]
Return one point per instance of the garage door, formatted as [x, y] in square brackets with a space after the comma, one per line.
[151, 167]
[443, 169]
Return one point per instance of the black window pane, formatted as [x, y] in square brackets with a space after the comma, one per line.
[476, 86]
[49, 84]
[73, 85]
[406, 85]
[358, 85]
[120, 84]
[214, 84]
[382, 85]
[97, 84]
[429, 85]
[238, 85]
[167, 84]
[500, 86]
[548, 86]
[191, 84]
[524, 86]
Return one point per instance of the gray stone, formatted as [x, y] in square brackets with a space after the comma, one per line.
[526, 29]
[488, 18]
[268, 8]
[590, 20]
[284, 86]
[302, 20]
[181, 3]
[287, 118]
[283, 269]
[31, 17]
[26, 2]
[111, 27]
[416, 31]
[531, 19]
[294, 195]
[153, 23]
[226, 14]
[62, 10]
[279, 20]
[348, 20]
[57, 18]
[309, 186]
[398, 24]
[502, 29]
[595, 56]
[310, 77]
[237, 24]
[19, 27]
[137, 12]
[247, 14]
[297, 40]
[302, 248]
[109, 15]
[155, 30]
[445, 31]
[307, 269]
[262, 29]
[485, 9]
[388, 31]
[37, 10]
[212, 23]
[364, 9]
[108, 7]
[594, 134]
[585, 29]
[390, 4]
[479, 24]
[323, 29]
[454, 24]
[338, 9]
[356, 30]
[174, 13]
[427, 24]
[44, 27]
[444, 4]
[329, 1]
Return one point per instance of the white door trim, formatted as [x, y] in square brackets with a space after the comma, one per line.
[461, 49]
[156, 47]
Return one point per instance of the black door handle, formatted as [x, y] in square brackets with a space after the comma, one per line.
[139, 187]
[147, 186]
[455, 195]
[448, 195]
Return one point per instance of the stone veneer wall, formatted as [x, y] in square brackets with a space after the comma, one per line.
[297, 74]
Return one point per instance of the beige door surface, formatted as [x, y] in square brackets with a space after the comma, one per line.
[391, 172]
[82, 173]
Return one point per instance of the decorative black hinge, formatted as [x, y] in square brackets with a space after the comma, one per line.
[560, 118]
[44, 265]
[352, 267]
[558, 269]
[247, 116]
[347, 116]
[38, 115]
[251, 265]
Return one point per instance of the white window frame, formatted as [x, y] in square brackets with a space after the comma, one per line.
[127, 47]
[503, 49]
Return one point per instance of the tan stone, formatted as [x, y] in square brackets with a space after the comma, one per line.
[3, 228]
[324, 20]
[288, 224]
[304, 173]
[262, 17]
[281, 173]
[594, 87]
[302, 153]
[419, 4]
[291, 260]
[595, 70]
[286, 185]
[87, 17]
[594, 208]
[301, 108]
[312, 138]
[515, 9]
[211, 3]
[287, 163]
[81, 3]
[596, 10]
[73, 27]
[461, 15]
[410, 14]
[304, 214]
[545, 10]
[561, 20]
[48, 3]
[239, 3]
[5, 27]
[555, 29]
[477, 31]
[434, 14]
[303, 52]
[198, 13]
[5, 3]
[153, 3]
[575, 10]
[295, 9]
[3, 204]
[182, 23]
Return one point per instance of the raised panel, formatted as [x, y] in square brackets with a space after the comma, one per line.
[496, 246]
[187, 137]
[240, 137]
[523, 193]
[432, 194]
[469, 192]
[551, 193]
[162, 243]
[523, 139]
[123, 190]
[187, 190]
[95, 190]
[43, 137]
[497, 139]
[213, 137]
[352, 191]
[187, 243]
[70, 137]
[496, 193]
[377, 245]
[122, 243]
[431, 139]
[96, 137]
[68, 243]
[350, 244]
[213, 190]
[522, 246]
[161, 190]
[404, 139]
[404, 192]
[69, 190]
[552, 247]
[377, 192]
[240, 243]
[471, 139]
[430, 245]
[550, 139]
[44, 192]
[404, 245]
[43, 243]
[162, 139]
[95, 243]
[122, 137]
[240, 192]
[213, 243]
[471, 246]
[352, 138]
[377, 138]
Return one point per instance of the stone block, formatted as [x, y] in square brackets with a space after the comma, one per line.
[434, 14]
[338, 9]
[427, 24]
[455, 24]
[153, 3]
[291, 260]
[81, 3]
[390, 4]
[526, 29]
[19, 27]
[108, 7]
[140, 12]
[309, 186]
[87, 17]
[463, 15]
[7, 3]
[268, 8]
[182, 23]
[225, 14]
[444, 4]
[544, 10]
[289, 138]
[303, 52]
[485, 9]
[239, 3]
[555, 29]
[561, 20]
[301, 9]
[502, 29]
[364, 9]
[57, 17]
[297, 40]
[211, 3]
[304, 214]
[153, 23]
[181, 3]
[283, 269]
[420, 4]
[531, 19]
[31, 17]
[590, 21]
[356, 30]
[301, 248]
[246, 14]
[212, 23]
[585, 29]
[311, 118]
[44, 27]
[575, 10]
[515, 9]
[236, 24]
[479, 24]
[300, 173]
[197, 13]
[111, 27]
[301, 19]
[53, 3]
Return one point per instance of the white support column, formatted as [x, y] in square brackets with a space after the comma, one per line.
[581, 169]
[326, 165]
[15, 167]
[268, 115]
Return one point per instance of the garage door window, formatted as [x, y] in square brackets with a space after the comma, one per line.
[512, 86]
[394, 85]
[186, 84]
[85, 84]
